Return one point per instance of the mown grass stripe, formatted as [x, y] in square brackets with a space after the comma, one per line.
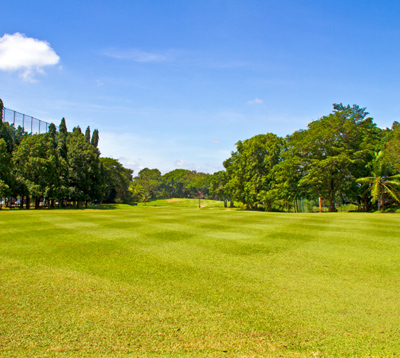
[176, 282]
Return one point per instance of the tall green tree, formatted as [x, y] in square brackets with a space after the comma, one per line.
[287, 175]
[249, 169]
[84, 180]
[8, 133]
[77, 130]
[36, 165]
[218, 189]
[95, 138]
[199, 184]
[149, 180]
[392, 148]
[6, 179]
[181, 183]
[87, 134]
[333, 151]
[62, 155]
[117, 181]
[10, 138]
[1, 111]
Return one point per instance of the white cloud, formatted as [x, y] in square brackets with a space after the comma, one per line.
[216, 141]
[132, 162]
[255, 101]
[29, 55]
[180, 163]
[139, 56]
[139, 151]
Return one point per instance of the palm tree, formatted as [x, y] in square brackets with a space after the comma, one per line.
[380, 183]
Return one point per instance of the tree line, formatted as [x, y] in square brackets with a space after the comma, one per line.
[61, 168]
[56, 168]
[178, 183]
[341, 158]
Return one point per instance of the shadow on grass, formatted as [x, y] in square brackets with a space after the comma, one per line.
[111, 206]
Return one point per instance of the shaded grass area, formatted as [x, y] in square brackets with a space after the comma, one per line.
[185, 203]
[176, 203]
[176, 281]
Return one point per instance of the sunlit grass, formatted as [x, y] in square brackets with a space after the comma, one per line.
[185, 203]
[176, 281]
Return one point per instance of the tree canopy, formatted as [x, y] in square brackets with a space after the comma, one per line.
[340, 158]
[58, 166]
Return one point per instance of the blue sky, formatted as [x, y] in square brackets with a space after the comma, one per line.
[175, 84]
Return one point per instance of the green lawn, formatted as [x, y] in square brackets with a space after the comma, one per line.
[171, 280]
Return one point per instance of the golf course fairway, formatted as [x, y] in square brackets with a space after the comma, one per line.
[173, 280]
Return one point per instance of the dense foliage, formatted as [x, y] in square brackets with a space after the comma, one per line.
[65, 168]
[116, 181]
[338, 159]
[342, 158]
[57, 168]
[179, 183]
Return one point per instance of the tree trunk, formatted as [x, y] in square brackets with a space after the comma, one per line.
[225, 204]
[28, 202]
[366, 204]
[36, 202]
[332, 208]
[21, 203]
[359, 207]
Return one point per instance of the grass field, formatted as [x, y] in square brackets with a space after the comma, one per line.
[171, 280]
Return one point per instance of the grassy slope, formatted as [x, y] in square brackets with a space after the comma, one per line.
[176, 281]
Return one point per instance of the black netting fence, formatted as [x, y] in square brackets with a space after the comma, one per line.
[28, 123]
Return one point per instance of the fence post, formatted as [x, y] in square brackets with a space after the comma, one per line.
[2, 111]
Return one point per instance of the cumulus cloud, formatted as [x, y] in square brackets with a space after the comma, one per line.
[25, 54]
[216, 141]
[255, 101]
